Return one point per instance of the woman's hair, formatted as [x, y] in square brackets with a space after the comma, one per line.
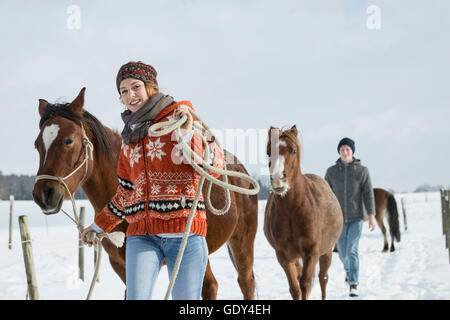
[151, 88]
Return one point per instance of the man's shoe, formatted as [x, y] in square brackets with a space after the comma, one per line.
[346, 277]
[353, 290]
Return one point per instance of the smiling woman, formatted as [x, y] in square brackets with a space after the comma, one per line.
[136, 83]
[158, 218]
[134, 93]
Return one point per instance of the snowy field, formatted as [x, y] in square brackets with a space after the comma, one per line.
[419, 269]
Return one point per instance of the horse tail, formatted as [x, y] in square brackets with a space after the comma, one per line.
[394, 224]
[231, 256]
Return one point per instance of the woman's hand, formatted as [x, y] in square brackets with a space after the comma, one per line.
[83, 237]
[184, 110]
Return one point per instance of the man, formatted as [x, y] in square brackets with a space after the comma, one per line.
[350, 181]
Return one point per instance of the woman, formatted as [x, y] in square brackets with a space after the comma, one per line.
[350, 181]
[156, 190]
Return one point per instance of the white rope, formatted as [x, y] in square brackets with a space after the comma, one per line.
[163, 128]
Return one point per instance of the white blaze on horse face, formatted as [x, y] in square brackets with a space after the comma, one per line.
[278, 168]
[277, 161]
[48, 136]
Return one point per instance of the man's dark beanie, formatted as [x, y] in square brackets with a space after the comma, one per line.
[346, 141]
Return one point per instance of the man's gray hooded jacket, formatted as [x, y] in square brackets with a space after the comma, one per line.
[352, 186]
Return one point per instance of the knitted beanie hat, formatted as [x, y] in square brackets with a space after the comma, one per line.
[346, 141]
[136, 70]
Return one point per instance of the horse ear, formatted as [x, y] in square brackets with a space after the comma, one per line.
[42, 106]
[272, 128]
[294, 129]
[77, 104]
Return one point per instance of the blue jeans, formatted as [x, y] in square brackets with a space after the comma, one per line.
[348, 244]
[144, 258]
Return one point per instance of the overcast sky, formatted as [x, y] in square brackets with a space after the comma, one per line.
[318, 64]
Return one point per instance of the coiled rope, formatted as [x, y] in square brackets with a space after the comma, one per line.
[202, 167]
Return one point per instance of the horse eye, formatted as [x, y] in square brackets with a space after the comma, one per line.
[294, 152]
[68, 141]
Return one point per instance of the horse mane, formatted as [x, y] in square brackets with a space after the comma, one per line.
[99, 133]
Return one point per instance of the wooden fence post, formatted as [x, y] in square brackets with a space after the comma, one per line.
[81, 248]
[447, 218]
[28, 258]
[446, 214]
[443, 210]
[11, 203]
[448, 234]
[448, 231]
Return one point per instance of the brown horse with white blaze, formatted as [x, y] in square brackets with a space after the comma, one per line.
[65, 129]
[386, 207]
[303, 218]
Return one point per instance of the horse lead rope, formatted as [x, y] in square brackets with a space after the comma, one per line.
[174, 125]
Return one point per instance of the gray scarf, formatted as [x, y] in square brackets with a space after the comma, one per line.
[137, 123]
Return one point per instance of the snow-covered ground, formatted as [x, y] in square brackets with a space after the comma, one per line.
[418, 269]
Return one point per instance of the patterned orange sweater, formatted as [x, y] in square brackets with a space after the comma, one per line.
[156, 186]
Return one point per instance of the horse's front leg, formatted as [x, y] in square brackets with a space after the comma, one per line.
[290, 269]
[324, 262]
[309, 263]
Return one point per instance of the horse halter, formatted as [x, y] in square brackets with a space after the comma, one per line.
[88, 155]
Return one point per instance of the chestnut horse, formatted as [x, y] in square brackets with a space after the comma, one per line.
[386, 206]
[60, 144]
[303, 218]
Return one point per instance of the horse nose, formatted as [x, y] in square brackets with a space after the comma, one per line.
[47, 195]
[47, 199]
[37, 199]
[276, 183]
[278, 177]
